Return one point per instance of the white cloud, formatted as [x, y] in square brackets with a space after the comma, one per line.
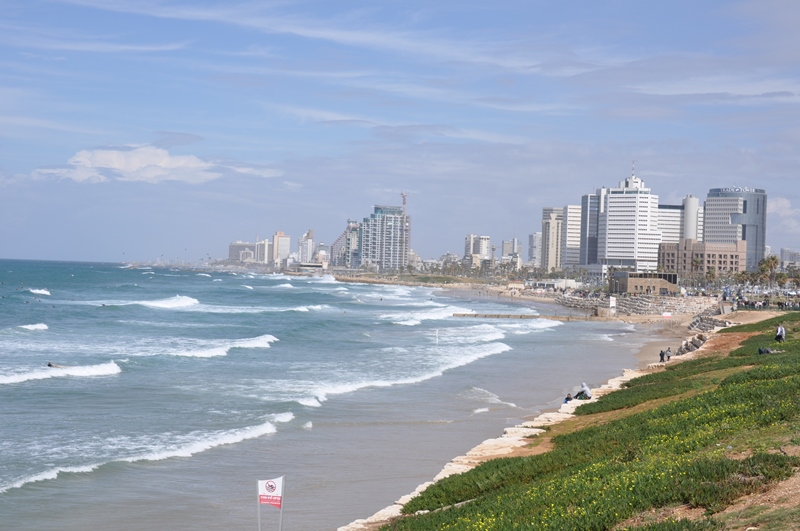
[145, 164]
[789, 217]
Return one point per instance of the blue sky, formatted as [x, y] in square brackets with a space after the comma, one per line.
[136, 130]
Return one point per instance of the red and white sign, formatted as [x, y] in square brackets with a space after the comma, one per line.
[271, 491]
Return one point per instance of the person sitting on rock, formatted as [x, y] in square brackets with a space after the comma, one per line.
[569, 397]
[585, 393]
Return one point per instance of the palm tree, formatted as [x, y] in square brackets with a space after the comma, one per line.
[696, 265]
[769, 265]
[711, 274]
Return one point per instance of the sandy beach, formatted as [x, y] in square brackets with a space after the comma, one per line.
[515, 440]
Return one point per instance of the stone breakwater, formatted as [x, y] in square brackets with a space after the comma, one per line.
[704, 323]
[644, 304]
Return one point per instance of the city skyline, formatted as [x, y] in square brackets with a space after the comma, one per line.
[133, 131]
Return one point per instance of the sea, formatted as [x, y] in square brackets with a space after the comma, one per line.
[175, 390]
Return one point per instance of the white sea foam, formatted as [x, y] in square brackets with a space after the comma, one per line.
[458, 357]
[205, 442]
[246, 286]
[173, 303]
[481, 410]
[416, 317]
[39, 291]
[287, 285]
[309, 402]
[222, 348]
[283, 417]
[149, 273]
[529, 325]
[482, 333]
[217, 280]
[47, 475]
[308, 425]
[186, 446]
[103, 369]
[313, 307]
[487, 396]
[38, 326]
[203, 275]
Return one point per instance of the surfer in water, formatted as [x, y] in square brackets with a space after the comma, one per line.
[53, 365]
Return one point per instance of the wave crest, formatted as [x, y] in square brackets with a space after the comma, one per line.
[103, 369]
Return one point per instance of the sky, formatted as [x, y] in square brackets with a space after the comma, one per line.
[143, 130]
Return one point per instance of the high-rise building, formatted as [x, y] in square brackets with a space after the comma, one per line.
[510, 247]
[570, 237]
[681, 222]
[263, 251]
[240, 251]
[305, 247]
[552, 217]
[344, 251]
[789, 258]
[737, 213]
[535, 249]
[628, 235]
[281, 248]
[384, 239]
[592, 205]
[477, 245]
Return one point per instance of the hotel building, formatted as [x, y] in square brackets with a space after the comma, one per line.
[737, 213]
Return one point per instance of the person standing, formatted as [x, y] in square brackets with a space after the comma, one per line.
[780, 335]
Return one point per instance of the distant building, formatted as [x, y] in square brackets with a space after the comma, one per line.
[281, 248]
[681, 222]
[384, 239]
[344, 251]
[240, 251]
[690, 257]
[477, 245]
[789, 258]
[592, 205]
[570, 237]
[535, 249]
[264, 251]
[648, 283]
[510, 247]
[305, 247]
[737, 213]
[552, 218]
[628, 235]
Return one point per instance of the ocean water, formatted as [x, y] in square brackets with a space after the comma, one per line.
[177, 390]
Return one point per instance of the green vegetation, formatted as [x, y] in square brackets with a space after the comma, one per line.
[713, 435]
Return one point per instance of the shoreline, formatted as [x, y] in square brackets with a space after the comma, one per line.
[514, 439]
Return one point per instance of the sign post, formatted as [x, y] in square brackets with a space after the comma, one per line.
[270, 491]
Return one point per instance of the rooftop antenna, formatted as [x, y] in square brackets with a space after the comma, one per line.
[633, 168]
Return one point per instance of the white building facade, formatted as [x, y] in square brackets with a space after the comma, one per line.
[384, 239]
[628, 235]
[570, 237]
[552, 218]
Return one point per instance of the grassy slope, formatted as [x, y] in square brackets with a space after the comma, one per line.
[701, 433]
